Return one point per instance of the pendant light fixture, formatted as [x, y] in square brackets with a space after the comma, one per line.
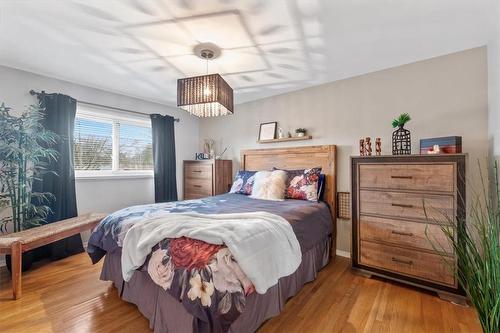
[207, 95]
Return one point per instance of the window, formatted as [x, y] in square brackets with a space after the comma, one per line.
[109, 143]
[136, 147]
[93, 144]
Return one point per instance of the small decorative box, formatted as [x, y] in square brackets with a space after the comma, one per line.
[445, 145]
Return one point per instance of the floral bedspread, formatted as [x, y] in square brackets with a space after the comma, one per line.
[204, 277]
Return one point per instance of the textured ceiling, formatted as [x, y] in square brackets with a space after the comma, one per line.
[141, 47]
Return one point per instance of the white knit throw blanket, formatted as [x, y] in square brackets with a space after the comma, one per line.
[263, 244]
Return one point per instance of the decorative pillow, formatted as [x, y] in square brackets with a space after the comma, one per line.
[243, 182]
[269, 185]
[303, 184]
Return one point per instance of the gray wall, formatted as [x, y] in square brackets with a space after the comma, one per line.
[494, 82]
[444, 95]
[103, 195]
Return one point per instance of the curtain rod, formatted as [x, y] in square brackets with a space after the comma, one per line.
[33, 92]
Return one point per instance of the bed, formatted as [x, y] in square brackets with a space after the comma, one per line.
[313, 224]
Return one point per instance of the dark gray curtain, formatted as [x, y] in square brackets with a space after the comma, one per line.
[60, 113]
[164, 158]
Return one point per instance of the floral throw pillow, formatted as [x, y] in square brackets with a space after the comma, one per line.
[243, 182]
[303, 184]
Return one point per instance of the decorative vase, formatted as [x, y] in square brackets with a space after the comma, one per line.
[281, 134]
[401, 141]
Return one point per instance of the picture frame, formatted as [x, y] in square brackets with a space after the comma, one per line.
[267, 131]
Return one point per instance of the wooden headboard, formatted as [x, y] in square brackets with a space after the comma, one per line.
[299, 158]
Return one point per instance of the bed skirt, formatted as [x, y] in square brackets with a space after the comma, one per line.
[166, 314]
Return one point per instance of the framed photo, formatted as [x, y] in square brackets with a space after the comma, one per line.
[267, 131]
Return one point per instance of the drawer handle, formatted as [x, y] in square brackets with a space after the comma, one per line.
[196, 170]
[395, 232]
[402, 177]
[402, 205]
[401, 261]
[199, 186]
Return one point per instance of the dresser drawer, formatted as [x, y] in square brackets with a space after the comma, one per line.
[198, 171]
[419, 177]
[193, 196]
[404, 233]
[407, 205]
[197, 187]
[407, 262]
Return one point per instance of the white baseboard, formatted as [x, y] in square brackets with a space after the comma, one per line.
[344, 254]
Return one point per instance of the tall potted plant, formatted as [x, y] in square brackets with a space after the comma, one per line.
[25, 152]
[477, 247]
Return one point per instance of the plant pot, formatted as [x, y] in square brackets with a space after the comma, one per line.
[401, 141]
[301, 134]
[27, 257]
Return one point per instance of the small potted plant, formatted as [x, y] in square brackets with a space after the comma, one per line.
[401, 137]
[301, 132]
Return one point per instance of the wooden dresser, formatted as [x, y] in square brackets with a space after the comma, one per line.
[206, 178]
[389, 222]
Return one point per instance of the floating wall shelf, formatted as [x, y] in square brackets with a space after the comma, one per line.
[295, 138]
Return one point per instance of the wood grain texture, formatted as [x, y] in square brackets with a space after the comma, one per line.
[300, 158]
[67, 296]
[198, 187]
[391, 228]
[406, 234]
[19, 242]
[49, 233]
[17, 265]
[198, 170]
[406, 261]
[415, 206]
[205, 178]
[423, 177]
[293, 138]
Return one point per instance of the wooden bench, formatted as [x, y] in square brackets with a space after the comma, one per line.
[17, 243]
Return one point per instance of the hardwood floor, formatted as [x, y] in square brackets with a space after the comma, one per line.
[67, 296]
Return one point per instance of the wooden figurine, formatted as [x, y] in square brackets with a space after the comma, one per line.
[368, 146]
[378, 146]
[361, 147]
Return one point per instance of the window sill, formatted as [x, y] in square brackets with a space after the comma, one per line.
[118, 175]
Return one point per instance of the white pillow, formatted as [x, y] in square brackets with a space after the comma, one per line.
[269, 185]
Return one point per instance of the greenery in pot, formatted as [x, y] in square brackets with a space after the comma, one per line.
[301, 131]
[401, 120]
[25, 152]
[477, 248]
[401, 137]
